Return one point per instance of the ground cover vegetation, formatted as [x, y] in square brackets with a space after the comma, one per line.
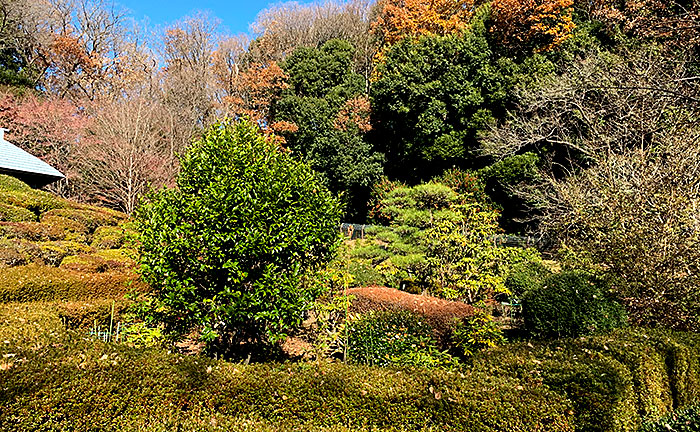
[528, 174]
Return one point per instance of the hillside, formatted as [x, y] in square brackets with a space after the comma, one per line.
[55, 249]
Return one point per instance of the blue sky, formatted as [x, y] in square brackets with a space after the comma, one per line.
[235, 15]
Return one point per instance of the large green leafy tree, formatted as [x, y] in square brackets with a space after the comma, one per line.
[228, 251]
[329, 131]
[435, 94]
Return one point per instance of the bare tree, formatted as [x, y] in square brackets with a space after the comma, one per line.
[607, 103]
[622, 187]
[287, 26]
[188, 81]
[128, 152]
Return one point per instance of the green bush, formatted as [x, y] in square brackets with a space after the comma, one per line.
[229, 249]
[440, 240]
[394, 338]
[685, 420]
[525, 277]
[605, 383]
[571, 304]
[476, 333]
[364, 273]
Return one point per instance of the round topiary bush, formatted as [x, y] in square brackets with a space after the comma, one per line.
[570, 304]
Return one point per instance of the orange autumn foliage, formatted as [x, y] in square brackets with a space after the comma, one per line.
[356, 112]
[401, 18]
[540, 24]
[253, 90]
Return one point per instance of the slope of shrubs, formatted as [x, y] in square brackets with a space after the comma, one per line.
[54, 249]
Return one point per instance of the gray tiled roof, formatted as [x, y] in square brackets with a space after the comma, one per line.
[14, 158]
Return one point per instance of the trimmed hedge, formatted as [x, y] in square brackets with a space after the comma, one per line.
[615, 381]
[49, 229]
[101, 261]
[110, 237]
[16, 193]
[93, 386]
[89, 217]
[601, 383]
[41, 283]
[685, 420]
[16, 252]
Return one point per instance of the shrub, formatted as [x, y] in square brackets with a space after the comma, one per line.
[393, 338]
[633, 214]
[228, 249]
[101, 261]
[476, 333]
[52, 253]
[109, 237]
[571, 304]
[14, 252]
[89, 217]
[525, 277]
[83, 315]
[614, 381]
[67, 387]
[10, 213]
[685, 420]
[35, 282]
[441, 241]
[49, 229]
[16, 193]
[11, 253]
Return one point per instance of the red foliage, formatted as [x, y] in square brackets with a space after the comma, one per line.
[47, 127]
[440, 313]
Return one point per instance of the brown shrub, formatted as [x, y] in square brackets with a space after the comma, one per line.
[49, 229]
[82, 314]
[439, 313]
[42, 283]
[89, 217]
